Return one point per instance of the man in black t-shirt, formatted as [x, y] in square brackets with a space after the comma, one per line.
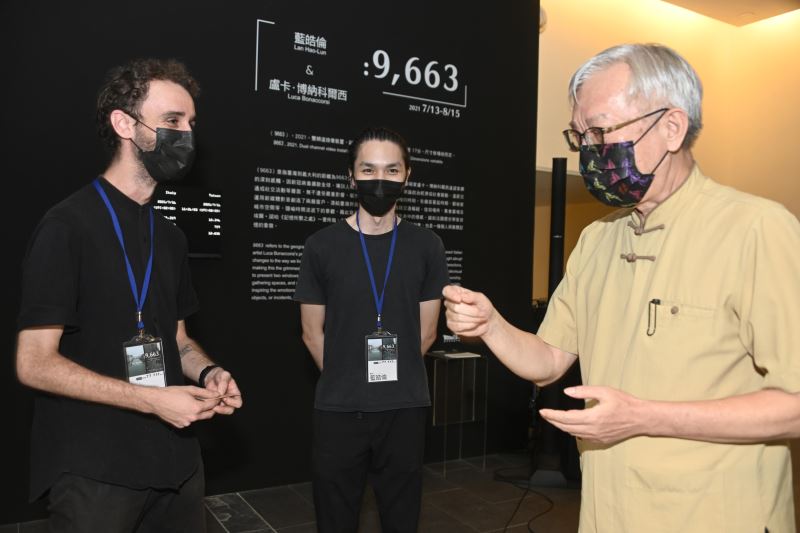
[370, 289]
[105, 292]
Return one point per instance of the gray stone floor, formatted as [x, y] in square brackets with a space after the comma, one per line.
[458, 497]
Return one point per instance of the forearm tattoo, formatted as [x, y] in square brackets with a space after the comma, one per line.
[186, 349]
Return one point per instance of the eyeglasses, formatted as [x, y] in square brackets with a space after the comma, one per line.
[595, 135]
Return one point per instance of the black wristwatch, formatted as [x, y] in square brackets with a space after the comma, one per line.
[201, 380]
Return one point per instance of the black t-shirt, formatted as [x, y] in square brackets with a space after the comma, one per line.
[333, 273]
[74, 275]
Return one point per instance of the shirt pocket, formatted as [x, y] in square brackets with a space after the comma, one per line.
[675, 311]
[681, 353]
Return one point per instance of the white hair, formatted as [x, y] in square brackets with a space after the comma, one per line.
[658, 75]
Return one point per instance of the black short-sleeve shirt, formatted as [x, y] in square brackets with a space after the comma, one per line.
[333, 273]
[74, 275]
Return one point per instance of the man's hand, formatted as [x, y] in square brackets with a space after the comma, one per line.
[222, 383]
[468, 313]
[180, 406]
[611, 415]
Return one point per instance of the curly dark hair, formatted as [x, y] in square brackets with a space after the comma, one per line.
[125, 87]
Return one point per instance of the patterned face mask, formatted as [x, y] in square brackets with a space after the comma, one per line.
[610, 174]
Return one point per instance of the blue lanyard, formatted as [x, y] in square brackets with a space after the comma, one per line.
[378, 300]
[146, 283]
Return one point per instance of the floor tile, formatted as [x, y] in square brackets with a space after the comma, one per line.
[469, 509]
[563, 518]
[483, 485]
[305, 491]
[518, 458]
[559, 516]
[449, 466]
[280, 506]
[490, 462]
[305, 528]
[435, 482]
[434, 520]
[212, 524]
[236, 515]
[36, 526]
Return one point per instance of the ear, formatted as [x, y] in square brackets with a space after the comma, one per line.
[676, 124]
[122, 123]
[408, 175]
[352, 178]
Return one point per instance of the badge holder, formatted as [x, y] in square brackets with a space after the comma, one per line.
[144, 360]
[381, 349]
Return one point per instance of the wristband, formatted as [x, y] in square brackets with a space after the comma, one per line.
[201, 380]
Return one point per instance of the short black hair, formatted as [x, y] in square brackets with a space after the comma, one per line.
[377, 134]
[125, 87]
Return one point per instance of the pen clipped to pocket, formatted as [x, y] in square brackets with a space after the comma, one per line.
[652, 316]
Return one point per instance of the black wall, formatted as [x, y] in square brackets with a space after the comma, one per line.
[54, 56]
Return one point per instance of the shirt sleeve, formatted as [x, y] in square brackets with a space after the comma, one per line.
[769, 303]
[437, 275]
[559, 326]
[309, 288]
[50, 274]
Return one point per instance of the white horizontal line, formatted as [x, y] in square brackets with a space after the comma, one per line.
[430, 100]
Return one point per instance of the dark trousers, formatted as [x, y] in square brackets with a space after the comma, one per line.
[82, 505]
[385, 447]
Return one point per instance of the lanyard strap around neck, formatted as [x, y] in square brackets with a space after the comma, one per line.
[378, 299]
[139, 299]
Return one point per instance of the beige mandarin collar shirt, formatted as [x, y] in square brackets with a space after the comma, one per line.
[700, 301]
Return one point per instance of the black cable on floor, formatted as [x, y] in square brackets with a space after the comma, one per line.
[517, 482]
[550, 505]
[510, 518]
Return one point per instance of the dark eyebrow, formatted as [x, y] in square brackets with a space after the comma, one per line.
[369, 164]
[178, 114]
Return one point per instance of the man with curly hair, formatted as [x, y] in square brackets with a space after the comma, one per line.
[106, 288]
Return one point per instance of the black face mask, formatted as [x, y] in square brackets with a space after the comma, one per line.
[378, 196]
[172, 156]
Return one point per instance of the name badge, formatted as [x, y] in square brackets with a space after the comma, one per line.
[381, 352]
[144, 361]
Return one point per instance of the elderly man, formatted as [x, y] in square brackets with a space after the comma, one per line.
[683, 309]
